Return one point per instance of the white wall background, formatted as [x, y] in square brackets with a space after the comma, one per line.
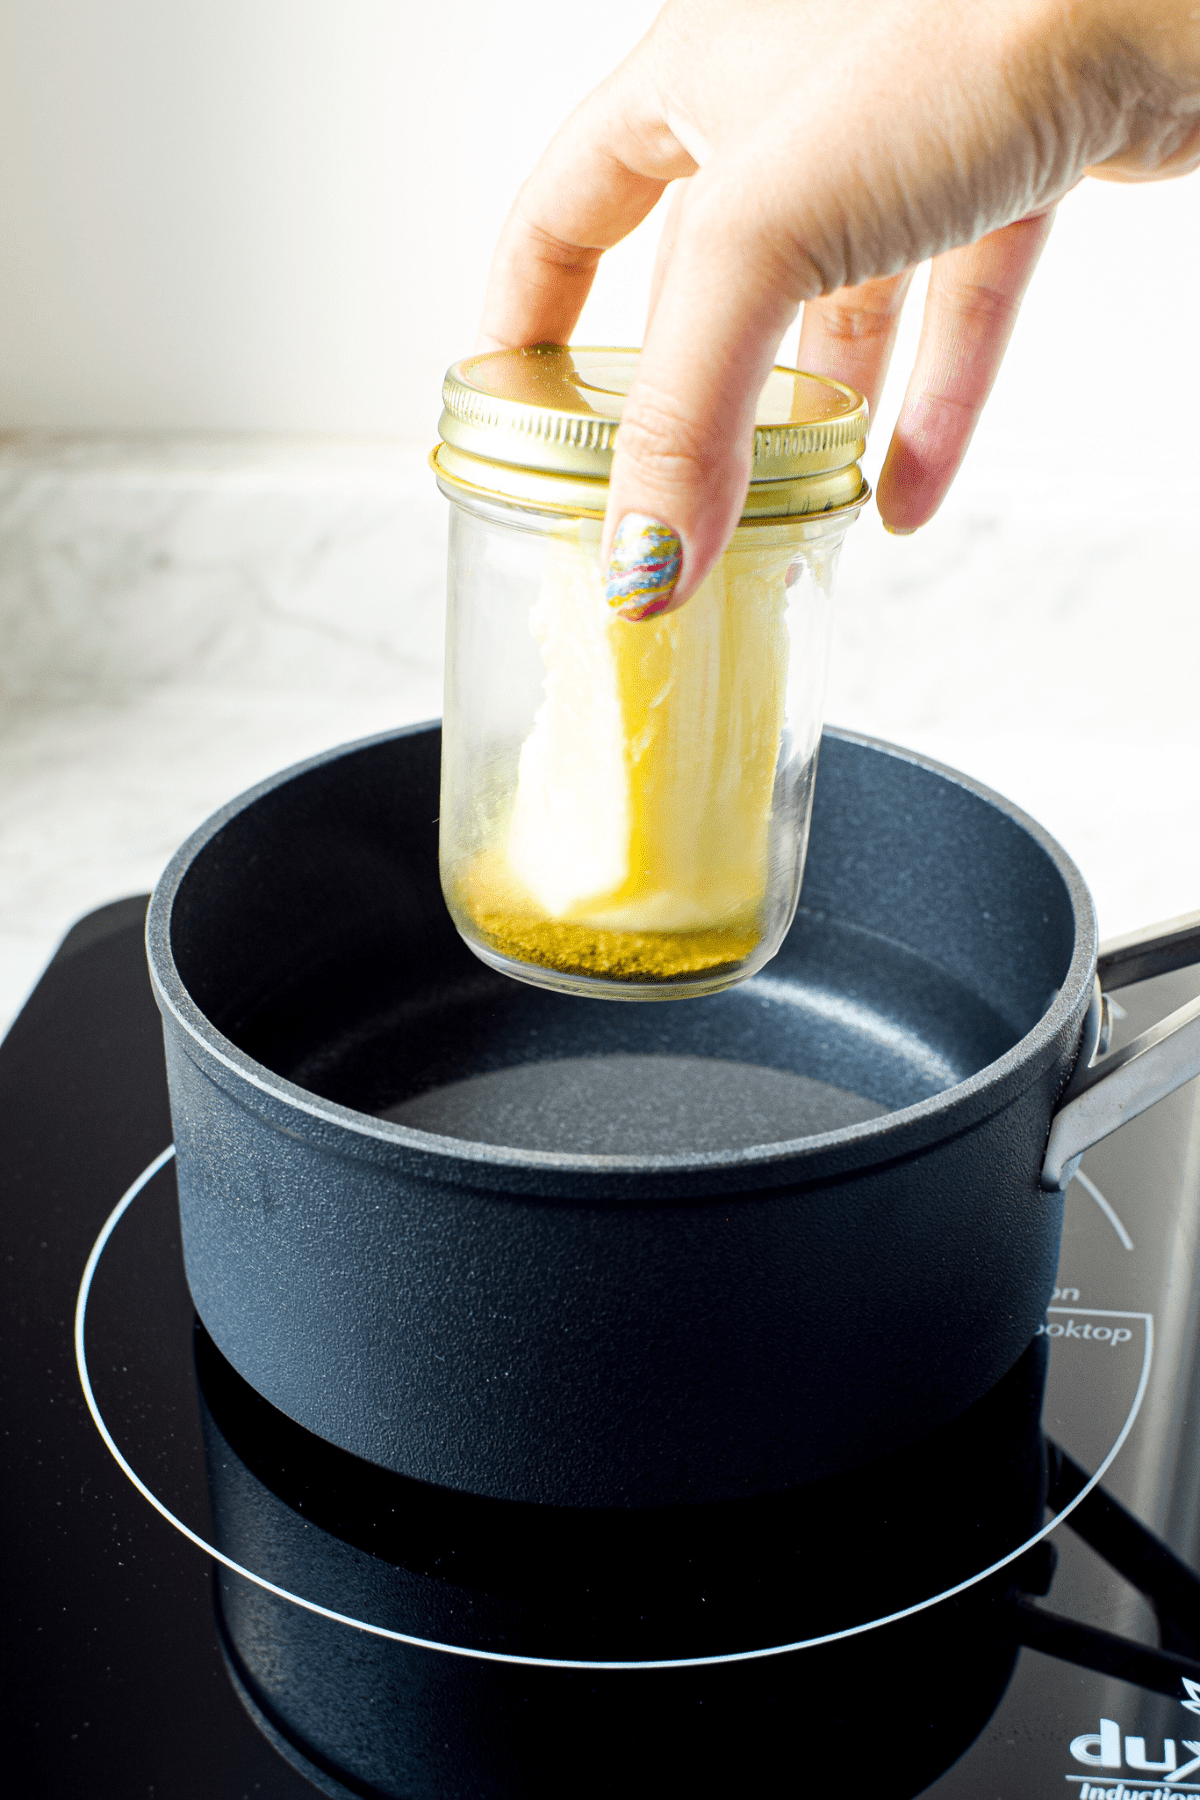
[276, 216]
[240, 241]
[266, 215]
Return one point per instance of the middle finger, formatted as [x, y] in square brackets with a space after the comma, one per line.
[851, 334]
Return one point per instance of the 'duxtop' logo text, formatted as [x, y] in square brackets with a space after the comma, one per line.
[1112, 1750]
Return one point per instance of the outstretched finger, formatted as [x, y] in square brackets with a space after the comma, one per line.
[850, 335]
[600, 176]
[974, 296]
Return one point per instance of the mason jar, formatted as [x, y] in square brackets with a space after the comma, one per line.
[625, 806]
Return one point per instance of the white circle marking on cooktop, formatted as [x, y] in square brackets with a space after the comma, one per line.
[1106, 1207]
[562, 1662]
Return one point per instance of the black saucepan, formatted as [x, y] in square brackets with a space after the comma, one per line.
[558, 1250]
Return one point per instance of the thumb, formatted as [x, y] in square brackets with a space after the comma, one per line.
[682, 462]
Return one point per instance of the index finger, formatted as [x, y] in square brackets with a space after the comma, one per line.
[598, 178]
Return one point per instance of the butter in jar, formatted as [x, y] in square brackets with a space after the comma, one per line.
[625, 806]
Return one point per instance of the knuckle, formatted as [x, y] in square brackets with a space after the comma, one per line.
[942, 404]
[556, 252]
[662, 442]
[976, 303]
[857, 317]
[858, 327]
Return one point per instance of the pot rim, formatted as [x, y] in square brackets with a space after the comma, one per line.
[550, 1173]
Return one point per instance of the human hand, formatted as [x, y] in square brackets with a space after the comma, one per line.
[823, 152]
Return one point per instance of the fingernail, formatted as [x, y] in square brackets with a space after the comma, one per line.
[899, 530]
[643, 567]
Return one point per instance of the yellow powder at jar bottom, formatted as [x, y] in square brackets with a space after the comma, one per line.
[633, 956]
[637, 844]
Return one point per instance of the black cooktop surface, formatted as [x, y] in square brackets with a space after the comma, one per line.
[204, 1600]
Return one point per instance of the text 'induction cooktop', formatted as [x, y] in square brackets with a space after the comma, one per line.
[202, 1599]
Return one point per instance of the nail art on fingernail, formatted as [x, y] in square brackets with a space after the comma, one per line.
[643, 567]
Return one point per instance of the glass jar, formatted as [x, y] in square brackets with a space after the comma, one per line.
[625, 806]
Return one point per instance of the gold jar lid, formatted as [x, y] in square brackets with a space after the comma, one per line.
[537, 428]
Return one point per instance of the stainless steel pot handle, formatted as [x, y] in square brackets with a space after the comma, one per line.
[1103, 1095]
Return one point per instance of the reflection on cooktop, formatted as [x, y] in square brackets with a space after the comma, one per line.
[625, 1584]
[390, 1718]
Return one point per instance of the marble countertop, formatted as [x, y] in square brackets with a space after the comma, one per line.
[179, 619]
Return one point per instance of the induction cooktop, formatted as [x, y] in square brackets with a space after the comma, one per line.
[203, 1599]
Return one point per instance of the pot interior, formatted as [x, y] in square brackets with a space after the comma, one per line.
[935, 928]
